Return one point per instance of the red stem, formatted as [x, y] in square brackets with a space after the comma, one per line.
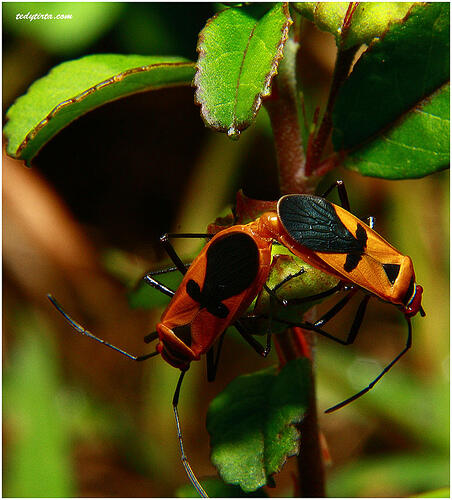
[343, 63]
[299, 173]
[284, 111]
[290, 345]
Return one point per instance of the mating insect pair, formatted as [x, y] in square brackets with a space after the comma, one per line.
[233, 267]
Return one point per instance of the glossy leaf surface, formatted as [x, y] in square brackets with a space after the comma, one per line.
[397, 71]
[239, 51]
[252, 423]
[369, 20]
[76, 87]
[417, 144]
[402, 73]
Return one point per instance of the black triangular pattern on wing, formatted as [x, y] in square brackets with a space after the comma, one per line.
[392, 271]
[313, 222]
[232, 266]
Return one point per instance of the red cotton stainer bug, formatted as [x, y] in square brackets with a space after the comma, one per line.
[233, 267]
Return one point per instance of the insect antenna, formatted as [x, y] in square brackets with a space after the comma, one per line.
[194, 481]
[151, 337]
[385, 370]
[79, 328]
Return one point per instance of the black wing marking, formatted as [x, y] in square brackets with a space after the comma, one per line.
[313, 222]
[392, 271]
[352, 261]
[232, 266]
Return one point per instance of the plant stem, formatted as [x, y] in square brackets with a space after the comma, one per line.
[342, 66]
[283, 110]
[292, 344]
[284, 115]
[311, 469]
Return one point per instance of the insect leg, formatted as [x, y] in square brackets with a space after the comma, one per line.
[385, 370]
[257, 346]
[84, 331]
[150, 337]
[164, 240]
[288, 278]
[212, 360]
[172, 253]
[344, 200]
[317, 296]
[157, 285]
[354, 329]
[335, 309]
[185, 462]
[190, 235]
[272, 291]
[161, 288]
[342, 191]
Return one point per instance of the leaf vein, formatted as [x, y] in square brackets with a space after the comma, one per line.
[245, 53]
[422, 111]
[412, 148]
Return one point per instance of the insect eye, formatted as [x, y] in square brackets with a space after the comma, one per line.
[392, 271]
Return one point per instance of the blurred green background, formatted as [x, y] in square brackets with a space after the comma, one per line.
[84, 223]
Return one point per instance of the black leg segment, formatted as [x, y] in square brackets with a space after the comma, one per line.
[79, 328]
[193, 479]
[342, 191]
[385, 370]
[164, 240]
[257, 346]
[213, 360]
[158, 286]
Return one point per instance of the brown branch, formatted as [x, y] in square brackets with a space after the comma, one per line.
[291, 344]
[283, 110]
[342, 67]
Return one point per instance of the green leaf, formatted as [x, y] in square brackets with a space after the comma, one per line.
[239, 52]
[76, 87]
[215, 488]
[88, 20]
[415, 146]
[397, 73]
[369, 20]
[252, 423]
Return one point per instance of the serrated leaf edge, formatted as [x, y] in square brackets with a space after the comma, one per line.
[235, 127]
[80, 97]
[274, 371]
